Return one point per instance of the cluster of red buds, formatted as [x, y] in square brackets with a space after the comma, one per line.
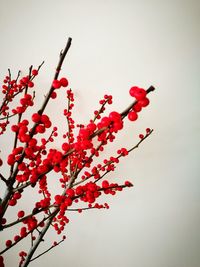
[33, 157]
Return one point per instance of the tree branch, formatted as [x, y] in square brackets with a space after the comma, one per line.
[3, 179]
[126, 111]
[11, 180]
[26, 217]
[53, 246]
[39, 239]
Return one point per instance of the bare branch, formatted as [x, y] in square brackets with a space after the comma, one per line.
[3, 179]
[53, 246]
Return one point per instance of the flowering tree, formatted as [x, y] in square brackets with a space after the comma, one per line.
[32, 158]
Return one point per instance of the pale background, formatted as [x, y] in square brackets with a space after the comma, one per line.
[117, 44]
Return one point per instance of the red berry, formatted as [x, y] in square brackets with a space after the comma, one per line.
[32, 142]
[27, 97]
[20, 214]
[1, 261]
[3, 221]
[20, 110]
[91, 127]
[30, 84]
[64, 82]
[68, 202]
[148, 130]
[11, 159]
[23, 101]
[141, 136]
[8, 243]
[53, 95]
[23, 232]
[56, 84]
[12, 202]
[133, 90]
[144, 102]
[105, 184]
[17, 238]
[137, 107]
[132, 116]
[129, 184]
[48, 124]
[115, 116]
[40, 129]
[44, 118]
[65, 146]
[36, 117]
[140, 94]
[17, 195]
[15, 128]
[34, 72]
[70, 192]
[137, 92]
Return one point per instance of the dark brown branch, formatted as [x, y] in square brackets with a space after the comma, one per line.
[62, 56]
[126, 111]
[8, 116]
[87, 208]
[15, 243]
[100, 110]
[58, 69]
[5, 98]
[3, 179]
[137, 145]
[53, 246]
[109, 162]
[26, 217]
[40, 238]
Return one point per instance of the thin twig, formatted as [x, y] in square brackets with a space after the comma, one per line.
[26, 217]
[40, 238]
[15, 243]
[3, 179]
[109, 162]
[53, 246]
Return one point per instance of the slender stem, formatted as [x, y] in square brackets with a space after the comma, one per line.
[137, 145]
[13, 244]
[100, 110]
[39, 239]
[106, 172]
[15, 141]
[58, 69]
[27, 216]
[53, 246]
[3, 178]
[106, 164]
[44, 252]
[5, 98]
